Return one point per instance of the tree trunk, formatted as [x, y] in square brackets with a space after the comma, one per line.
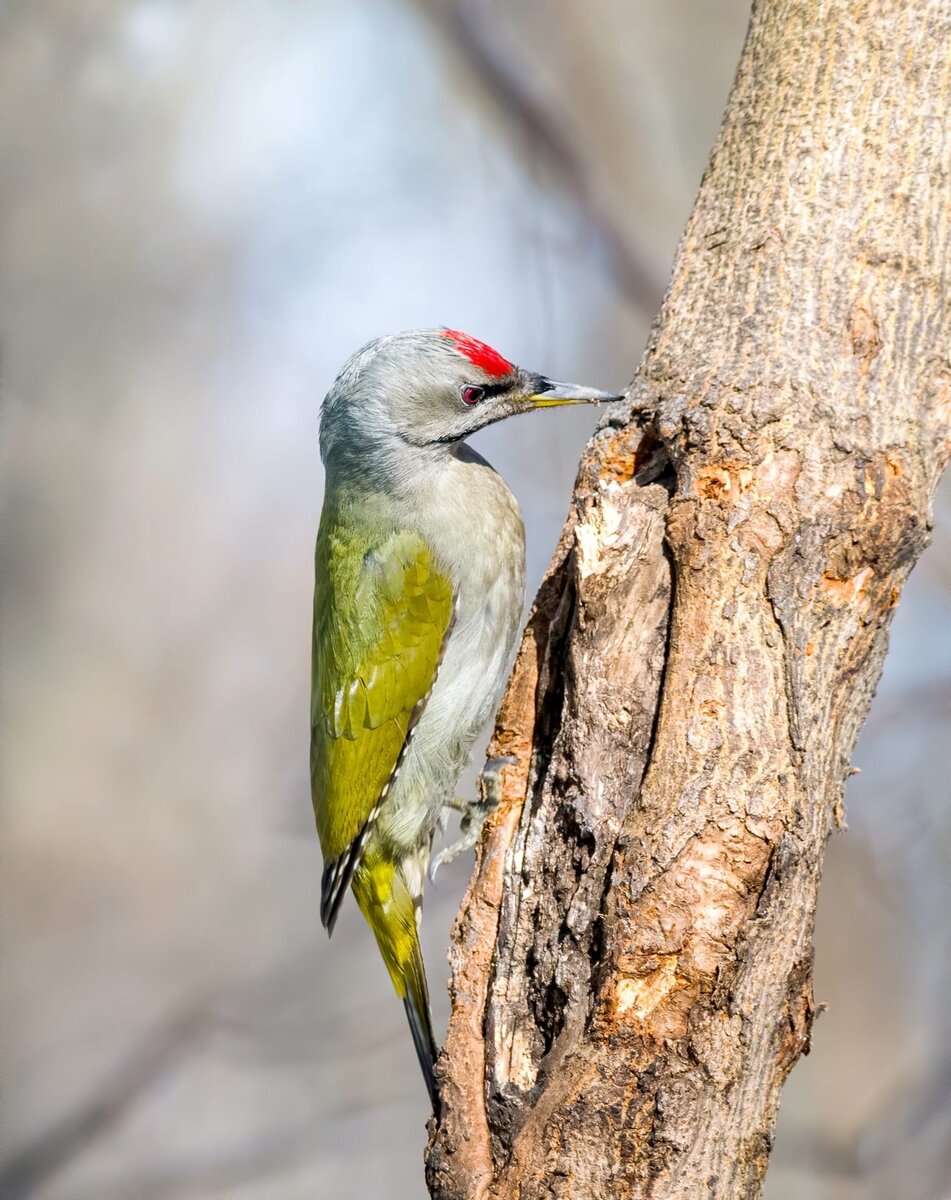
[632, 961]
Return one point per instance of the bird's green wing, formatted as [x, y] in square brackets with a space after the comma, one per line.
[382, 612]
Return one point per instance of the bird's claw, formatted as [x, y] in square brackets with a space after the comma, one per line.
[475, 813]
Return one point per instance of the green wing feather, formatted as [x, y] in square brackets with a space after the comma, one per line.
[382, 610]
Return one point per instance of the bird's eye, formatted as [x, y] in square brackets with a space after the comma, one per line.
[472, 394]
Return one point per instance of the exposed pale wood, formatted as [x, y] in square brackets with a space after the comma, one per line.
[632, 962]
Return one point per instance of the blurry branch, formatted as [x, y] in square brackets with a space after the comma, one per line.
[170, 1043]
[159, 1052]
[227, 1172]
[505, 79]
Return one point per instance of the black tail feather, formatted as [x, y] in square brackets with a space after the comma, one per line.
[335, 878]
[426, 1051]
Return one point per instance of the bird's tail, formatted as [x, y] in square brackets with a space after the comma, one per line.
[416, 1003]
[390, 910]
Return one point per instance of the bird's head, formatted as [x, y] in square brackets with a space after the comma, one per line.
[430, 389]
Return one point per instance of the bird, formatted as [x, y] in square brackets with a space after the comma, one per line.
[418, 600]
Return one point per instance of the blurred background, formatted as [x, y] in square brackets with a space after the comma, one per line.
[206, 206]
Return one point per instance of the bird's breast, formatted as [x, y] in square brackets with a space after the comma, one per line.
[483, 543]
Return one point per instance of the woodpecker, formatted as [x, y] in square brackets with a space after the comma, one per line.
[419, 589]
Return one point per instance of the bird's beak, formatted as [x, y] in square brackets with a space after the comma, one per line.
[552, 395]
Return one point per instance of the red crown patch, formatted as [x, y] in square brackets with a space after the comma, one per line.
[479, 353]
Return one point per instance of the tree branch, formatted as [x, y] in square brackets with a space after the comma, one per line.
[504, 79]
[632, 961]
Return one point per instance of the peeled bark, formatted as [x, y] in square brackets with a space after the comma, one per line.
[632, 961]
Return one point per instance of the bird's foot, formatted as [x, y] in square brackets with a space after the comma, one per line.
[475, 813]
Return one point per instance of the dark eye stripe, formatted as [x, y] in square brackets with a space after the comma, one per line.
[474, 392]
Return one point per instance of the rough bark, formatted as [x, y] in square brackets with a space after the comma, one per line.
[632, 961]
